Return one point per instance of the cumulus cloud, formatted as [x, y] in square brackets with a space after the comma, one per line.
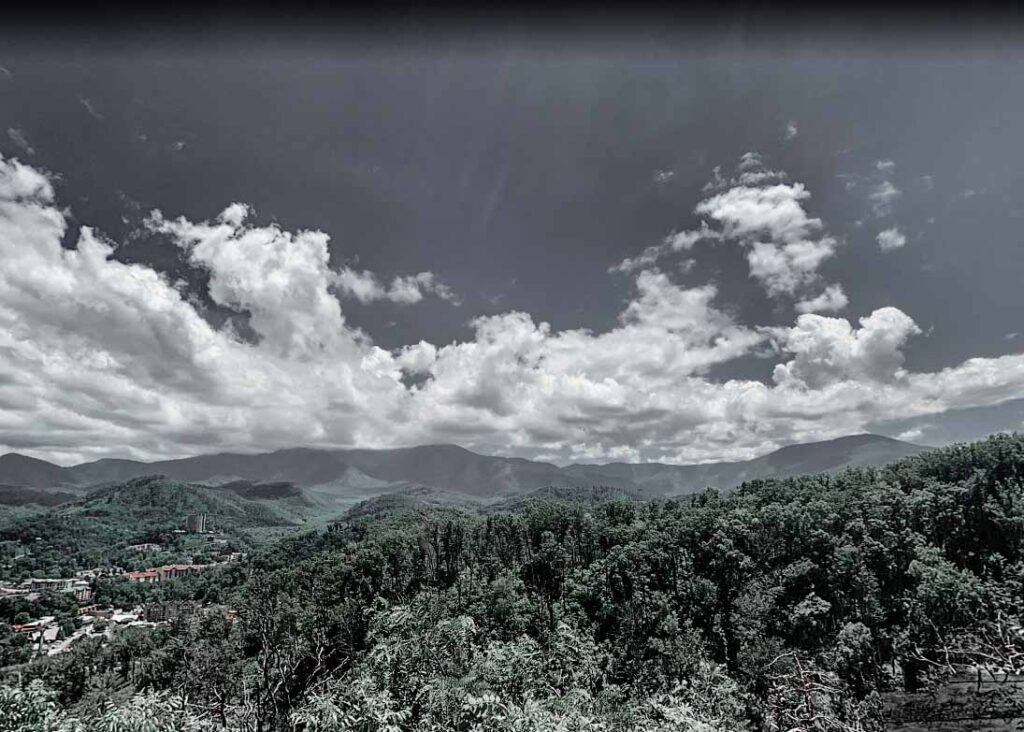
[784, 245]
[97, 353]
[100, 358]
[283, 280]
[280, 279]
[831, 300]
[791, 131]
[828, 350]
[758, 210]
[890, 239]
[366, 287]
[598, 391]
[750, 171]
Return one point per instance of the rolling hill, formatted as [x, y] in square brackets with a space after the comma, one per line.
[21, 470]
[20, 495]
[98, 530]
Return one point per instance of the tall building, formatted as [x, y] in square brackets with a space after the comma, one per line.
[195, 523]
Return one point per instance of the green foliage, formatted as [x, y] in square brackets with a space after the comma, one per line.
[790, 604]
[34, 708]
[428, 672]
[97, 530]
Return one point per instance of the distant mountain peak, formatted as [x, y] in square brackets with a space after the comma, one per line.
[17, 469]
[358, 473]
[862, 438]
[16, 458]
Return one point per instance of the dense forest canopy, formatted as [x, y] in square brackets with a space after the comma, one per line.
[788, 605]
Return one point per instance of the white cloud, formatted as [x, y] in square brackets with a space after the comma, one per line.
[366, 287]
[576, 388]
[791, 131]
[363, 286]
[280, 279]
[882, 194]
[751, 161]
[758, 210]
[102, 358]
[827, 350]
[750, 171]
[882, 198]
[890, 239]
[411, 288]
[234, 215]
[90, 108]
[240, 257]
[831, 300]
[915, 433]
[784, 245]
[674, 242]
[19, 138]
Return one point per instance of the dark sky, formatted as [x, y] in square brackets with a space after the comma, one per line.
[518, 172]
[521, 175]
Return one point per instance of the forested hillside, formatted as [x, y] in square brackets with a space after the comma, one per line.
[95, 530]
[788, 605]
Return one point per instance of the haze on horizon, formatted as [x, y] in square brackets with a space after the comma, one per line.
[546, 252]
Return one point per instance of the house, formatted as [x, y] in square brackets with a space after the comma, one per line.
[95, 611]
[44, 584]
[158, 612]
[35, 626]
[146, 575]
[173, 571]
[166, 572]
[82, 591]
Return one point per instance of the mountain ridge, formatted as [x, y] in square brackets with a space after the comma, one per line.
[361, 473]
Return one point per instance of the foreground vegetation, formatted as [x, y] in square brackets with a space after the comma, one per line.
[787, 606]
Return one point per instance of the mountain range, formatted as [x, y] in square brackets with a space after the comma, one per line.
[353, 474]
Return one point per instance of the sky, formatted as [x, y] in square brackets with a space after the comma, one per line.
[577, 250]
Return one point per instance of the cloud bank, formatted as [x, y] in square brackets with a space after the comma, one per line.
[103, 358]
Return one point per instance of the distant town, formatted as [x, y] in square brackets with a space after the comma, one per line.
[50, 638]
